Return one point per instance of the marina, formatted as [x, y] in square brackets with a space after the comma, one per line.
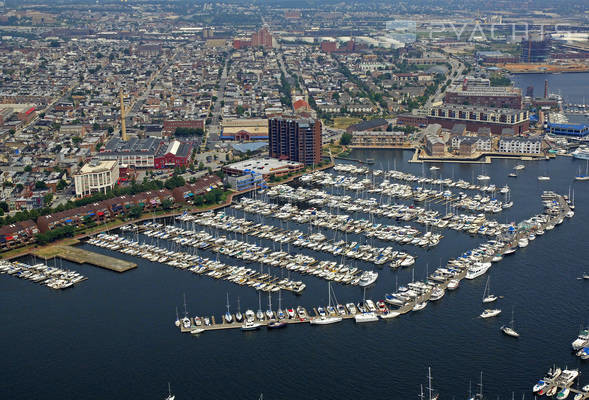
[52, 277]
[435, 290]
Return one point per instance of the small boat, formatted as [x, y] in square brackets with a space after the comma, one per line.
[434, 168]
[419, 306]
[488, 313]
[563, 394]
[585, 275]
[512, 175]
[277, 324]
[238, 314]
[368, 278]
[583, 353]
[483, 177]
[228, 316]
[366, 317]
[543, 178]
[487, 296]
[170, 395]
[541, 384]
[197, 331]
[519, 167]
[582, 339]
[523, 242]
[552, 391]
[324, 318]
[250, 326]
[453, 284]
[509, 330]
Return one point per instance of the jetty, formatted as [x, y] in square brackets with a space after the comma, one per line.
[82, 256]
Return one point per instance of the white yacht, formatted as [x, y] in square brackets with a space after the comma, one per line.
[488, 313]
[519, 166]
[368, 278]
[366, 317]
[582, 340]
[250, 326]
[453, 284]
[419, 306]
[523, 242]
[477, 270]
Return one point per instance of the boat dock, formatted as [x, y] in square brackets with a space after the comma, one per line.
[81, 256]
[563, 383]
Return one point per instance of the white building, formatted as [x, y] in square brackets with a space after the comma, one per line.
[520, 145]
[97, 176]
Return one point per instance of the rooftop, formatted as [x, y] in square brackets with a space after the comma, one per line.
[98, 166]
[265, 165]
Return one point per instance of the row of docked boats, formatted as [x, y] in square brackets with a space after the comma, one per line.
[581, 344]
[253, 253]
[316, 241]
[478, 203]
[52, 277]
[198, 265]
[407, 177]
[340, 222]
[558, 383]
[472, 224]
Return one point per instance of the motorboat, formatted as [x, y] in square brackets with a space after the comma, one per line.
[477, 270]
[519, 167]
[583, 353]
[563, 394]
[543, 178]
[437, 293]
[541, 384]
[512, 175]
[419, 306]
[250, 316]
[368, 278]
[250, 326]
[483, 177]
[197, 331]
[523, 242]
[453, 284]
[582, 339]
[366, 317]
[277, 324]
[488, 313]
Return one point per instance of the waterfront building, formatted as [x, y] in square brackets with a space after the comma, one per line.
[474, 118]
[246, 181]
[295, 139]
[265, 167]
[497, 97]
[378, 139]
[17, 234]
[377, 124]
[520, 145]
[435, 144]
[575, 130]
[96, 176]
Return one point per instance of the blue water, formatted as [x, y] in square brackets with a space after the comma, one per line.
[113, 336]
[573, 87]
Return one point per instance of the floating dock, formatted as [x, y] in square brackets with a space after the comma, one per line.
[81, 256]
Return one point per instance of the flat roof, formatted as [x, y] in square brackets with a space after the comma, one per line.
[262, 165]
[98, 166]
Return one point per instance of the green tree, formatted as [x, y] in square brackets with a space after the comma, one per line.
[28, 168]
[346, 139]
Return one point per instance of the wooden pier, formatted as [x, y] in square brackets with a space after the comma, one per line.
[82, 256]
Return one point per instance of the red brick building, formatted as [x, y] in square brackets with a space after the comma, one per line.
[171, 125]
[176, 154]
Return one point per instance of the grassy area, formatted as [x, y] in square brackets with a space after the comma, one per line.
[344, 122]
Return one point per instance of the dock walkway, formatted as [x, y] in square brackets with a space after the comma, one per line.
[82, 256]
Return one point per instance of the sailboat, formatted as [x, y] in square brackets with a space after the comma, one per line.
[238, 314]
[585, 177]
[479, 395]
[269, 312]
[432, 395]
[177, 323]
[280, 323]
[260, 313]
[365, 316]
[185, 321]
[487, 296]
[509, 330]
[170, 395]
[324, 318]
[228, 316]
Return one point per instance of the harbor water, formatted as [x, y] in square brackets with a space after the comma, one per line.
[113, 336]
[573, 87]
